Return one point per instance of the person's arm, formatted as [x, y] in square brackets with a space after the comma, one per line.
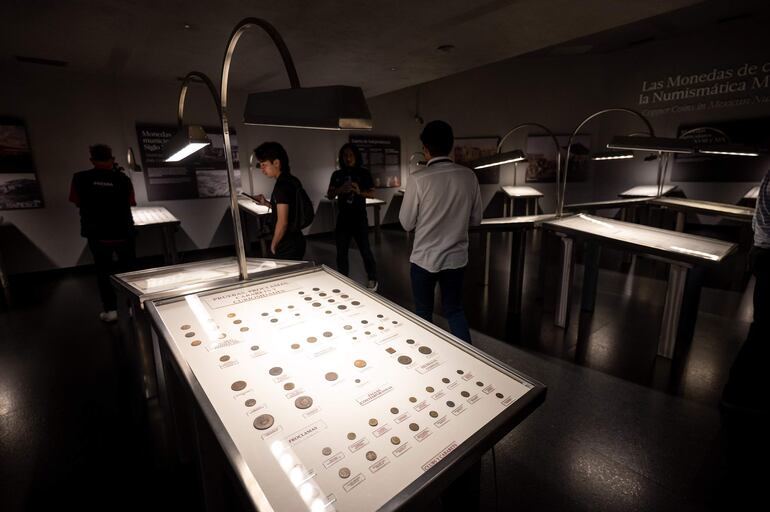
[366, 187]
[261, 199]
[74, 196]
[476, 211]
[131, 194]
[281, 225]
[410, 207]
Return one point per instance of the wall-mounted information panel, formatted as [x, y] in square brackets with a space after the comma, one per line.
[325, 396]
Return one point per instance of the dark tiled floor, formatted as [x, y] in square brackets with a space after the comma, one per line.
[621, 429]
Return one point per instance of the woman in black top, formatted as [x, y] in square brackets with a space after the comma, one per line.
[351, 184]
[288, 241]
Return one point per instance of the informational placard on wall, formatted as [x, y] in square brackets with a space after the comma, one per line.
[382, 156]
[19, 187]
[542, 157]
[200, 175]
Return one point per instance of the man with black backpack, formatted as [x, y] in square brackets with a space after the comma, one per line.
[291, 207]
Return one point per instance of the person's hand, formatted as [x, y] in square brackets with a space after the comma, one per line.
[345, 188]
[273, 248]
[262, 200]
[355, 188]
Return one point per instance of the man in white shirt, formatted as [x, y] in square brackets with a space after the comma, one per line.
[440, 202]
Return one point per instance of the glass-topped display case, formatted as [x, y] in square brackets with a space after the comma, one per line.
[325, 396]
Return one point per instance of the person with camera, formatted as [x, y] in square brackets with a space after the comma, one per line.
[350, 185]
[105, 196]
[289, 214]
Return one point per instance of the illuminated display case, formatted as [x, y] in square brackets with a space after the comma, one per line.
[325, 396]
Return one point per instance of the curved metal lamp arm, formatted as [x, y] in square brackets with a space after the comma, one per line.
[238, 31]
[560, 207]
[555, 142]
[188, 79]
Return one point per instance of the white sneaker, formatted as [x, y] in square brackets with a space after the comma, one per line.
[372, 285]
[108, 316]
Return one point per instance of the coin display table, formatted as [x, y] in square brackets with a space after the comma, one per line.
[530, 196]
[324, 396]
[648, 191]
[750, 198]
[682, 206]
[686, 255]
[256, 214]
[152, 217]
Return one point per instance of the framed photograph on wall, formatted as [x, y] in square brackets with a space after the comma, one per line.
[468, 149]
[541, 158]
[19, 187]
[382, 156]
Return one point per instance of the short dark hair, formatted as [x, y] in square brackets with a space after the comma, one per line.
[273, 151]
[438, 138]
[356, 153]
[100, 153]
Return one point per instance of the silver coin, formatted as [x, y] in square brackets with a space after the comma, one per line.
[189, 334]
[263, 422]
[370, 456]
[433, 414]
[303, 402]
[465, 394]
[327, 334]
[351, 436]
[395, 440]
[424, 350]
[250, 402]
[404, 360]
[373, 422]
[326, 451]
[412, 399]
[344, 473]
[288, 386]
[414, 427]
[185, 327]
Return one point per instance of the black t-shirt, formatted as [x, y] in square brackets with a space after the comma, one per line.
[105, 198]
[285, 192]
[352, 205]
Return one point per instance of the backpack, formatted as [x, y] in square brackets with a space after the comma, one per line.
[305, 213]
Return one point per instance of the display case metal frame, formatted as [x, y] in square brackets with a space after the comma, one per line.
[422, 490]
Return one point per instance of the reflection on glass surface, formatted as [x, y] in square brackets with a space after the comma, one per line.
[702, 254]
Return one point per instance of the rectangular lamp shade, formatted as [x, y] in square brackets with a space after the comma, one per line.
[612, 155]
[728, 149]
[508, 157]
[664, 145]
[186, 141]
[335, 107]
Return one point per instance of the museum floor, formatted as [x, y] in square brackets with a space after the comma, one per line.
[621, 429]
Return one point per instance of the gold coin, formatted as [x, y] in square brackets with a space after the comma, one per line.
[195, 343]
[351, 435]
[404, 360]
[189, 335]
[303, 402]
[250, 402]
[433, 414]
[185, 327]
[394, 410]
[395, 440]
[278, 310]
[414, 427]
[312, 339]
[244, 329]
[331, 376]
[371, 456]
[288, 386]
[359, 363]
[430, 389]
[263, 422]
[230, 315]
[424, 350]
[373, 422]
[390, 350]
[236, 322]
[327, 334]
[295, 346]
[276, 370]
[326, 451]
[344, 473]
[238, 385]
[224, 359]
[412, 399]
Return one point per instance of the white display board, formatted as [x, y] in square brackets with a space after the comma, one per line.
[521, 191]
[252, 206]
[753, 193]
[333, 398]
[147, 215]
[647, 191]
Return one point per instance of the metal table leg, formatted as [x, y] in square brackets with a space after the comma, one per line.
[515, 284]
[170, 255]
[680, 220]
[590, 276]
[562, 300]
[377, 218]
[487, 251]
[677, 277]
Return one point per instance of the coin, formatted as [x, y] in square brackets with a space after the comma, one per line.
[381, 328]
[424, 350]
[364, 322]
[295, 346]
[414, 427]
[238, 385]
[480, 384]
[230, 315]
[336, 290]
[273, 320]
[185, 327]
[326, 451]
[355, 303]
[412, 399]
[327, 334]
[394, 322]
[351, 435]
[222, 336]
[303, 402]
[331, 300]
[322, 294]
[344, 473]
[263, 422]
[404, 359]
[433, 414]
[288, 386]
[394, 410]
[316, 289]
[278, 310]
[189, 335]
[499, 395]
[344, 296]
[410, 341]
[301, 293]
[195, 343]
[380, 316]
[244, 329]
[450, 403]
[395, 440]
[342, 306]
[367, 333]
[238, 321]
[255, 347]
[331, 376]
[390, 350]
[264, 314]
[275, 370]
[250, 402]
[308, 298]
[359, 363]
[316, 304]
[328, 312]
[445, 380]
[312, 339]
[370, 456]
[465, 394]
[291, 307]
[358, 381]
[460, 372]
[224, 358]
[429, 389]
[373, 422]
